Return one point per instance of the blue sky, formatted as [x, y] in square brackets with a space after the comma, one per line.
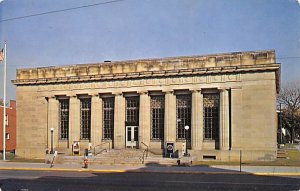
[134, 29]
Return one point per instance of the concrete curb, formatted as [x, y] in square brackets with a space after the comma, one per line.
[151, 171]
[63, 169]
[276, 173]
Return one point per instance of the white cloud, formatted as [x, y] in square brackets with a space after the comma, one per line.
[298, 1]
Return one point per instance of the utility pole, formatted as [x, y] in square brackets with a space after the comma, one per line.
[280, 118]
[4, 104]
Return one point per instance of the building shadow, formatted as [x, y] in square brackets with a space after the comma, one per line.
[152, 176]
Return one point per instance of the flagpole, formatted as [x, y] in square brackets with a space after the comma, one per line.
[4, 104]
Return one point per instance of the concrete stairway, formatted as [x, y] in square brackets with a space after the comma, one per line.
[119, 157]
[122, 156]
[282, 154]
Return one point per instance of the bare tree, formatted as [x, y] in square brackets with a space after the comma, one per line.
[289, 98]
[1, 102]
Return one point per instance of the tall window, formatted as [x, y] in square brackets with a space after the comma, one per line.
[85, 118]
[211, 116]
[108, 118]
[183, 108]
[132, 111]
[157, 106]
[64, 118]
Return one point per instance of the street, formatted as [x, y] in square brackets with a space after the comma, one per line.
[74, 181]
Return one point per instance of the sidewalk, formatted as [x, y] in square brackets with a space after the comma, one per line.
[214, 169]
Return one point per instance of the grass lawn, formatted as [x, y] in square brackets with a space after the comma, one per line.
[11, 158]
[293, 159]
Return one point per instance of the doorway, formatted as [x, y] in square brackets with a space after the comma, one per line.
[132, 134]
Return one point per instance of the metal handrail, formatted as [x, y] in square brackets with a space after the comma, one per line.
[101, 145]
[145, 151]
[143, 157]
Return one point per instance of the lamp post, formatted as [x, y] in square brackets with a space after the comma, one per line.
[187, 129]
[280, 118]
[51, 151]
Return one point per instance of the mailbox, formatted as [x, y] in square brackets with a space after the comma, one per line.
[169, 149]
[76, 148]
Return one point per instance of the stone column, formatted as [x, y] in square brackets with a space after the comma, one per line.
[53, 121]
[144, 119]
[197, 120]
[170, 117]
[96, 120]
[119, 131]
[224, 120]
[74, 123]
[236, 118]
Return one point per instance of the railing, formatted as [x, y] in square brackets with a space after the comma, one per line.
[145, 152]
[99, 146]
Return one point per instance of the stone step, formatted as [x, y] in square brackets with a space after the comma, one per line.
[282, 157]
[122, 156]
[113, 161]
[282, 154]
[160, 161]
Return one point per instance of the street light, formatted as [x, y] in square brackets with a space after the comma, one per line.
[51, 151]
[187, 129]
[280, 120]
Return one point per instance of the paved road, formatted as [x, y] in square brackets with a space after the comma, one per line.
[76, 181]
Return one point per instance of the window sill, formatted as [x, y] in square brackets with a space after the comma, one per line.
[156, 140]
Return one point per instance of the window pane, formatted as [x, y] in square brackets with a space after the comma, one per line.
[183, 114]
[132, 111]
[157, 106]
[129, 134]
[108, 118]
[85, 118]
[211, 116]
[64, 118]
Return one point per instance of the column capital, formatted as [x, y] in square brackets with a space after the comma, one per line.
[50, 97]
[95, 95]
[223, 89]
[73, 96]
[195, 90]
[117, 93]
[142, 92]
[168, 91]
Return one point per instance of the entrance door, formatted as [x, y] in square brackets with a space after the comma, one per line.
[132, 134]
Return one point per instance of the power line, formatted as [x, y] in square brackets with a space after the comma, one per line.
[61, 10]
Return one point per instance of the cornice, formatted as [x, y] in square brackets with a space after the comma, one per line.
[147, 74]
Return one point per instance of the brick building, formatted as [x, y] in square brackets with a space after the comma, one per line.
[10, 128]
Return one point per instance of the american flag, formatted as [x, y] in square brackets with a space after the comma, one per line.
[1, 55]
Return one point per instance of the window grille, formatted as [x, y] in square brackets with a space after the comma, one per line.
[6, 121]
[211, 116]
[183, 114]
[108, 118]
[85, 118]
[64, 118]
[132, 111]
[157, 105]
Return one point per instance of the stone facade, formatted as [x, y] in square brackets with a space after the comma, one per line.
[245, 85]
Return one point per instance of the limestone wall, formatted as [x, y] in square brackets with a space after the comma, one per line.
[31, 123]
[251, 77]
